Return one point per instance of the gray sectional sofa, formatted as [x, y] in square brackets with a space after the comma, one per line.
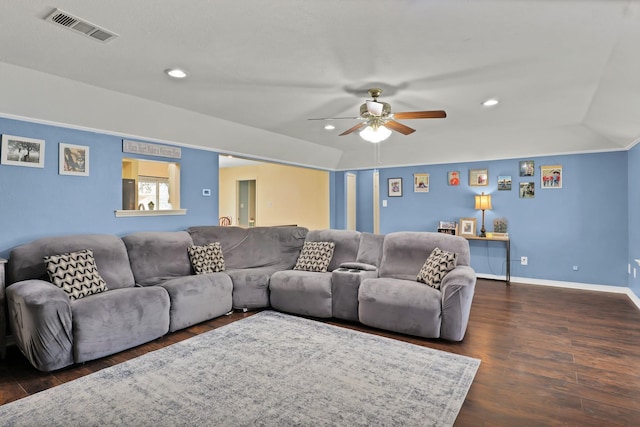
[152, 288]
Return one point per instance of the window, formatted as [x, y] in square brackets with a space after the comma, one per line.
[150, 188]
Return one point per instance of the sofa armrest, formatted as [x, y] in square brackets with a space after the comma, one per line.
[458, 287]
[40, 320]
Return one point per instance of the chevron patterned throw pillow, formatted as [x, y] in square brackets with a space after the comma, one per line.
[206, 259]
[436, 267]
[75, 273]
[315, 256]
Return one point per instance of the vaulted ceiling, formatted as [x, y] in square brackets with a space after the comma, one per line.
[566, 73]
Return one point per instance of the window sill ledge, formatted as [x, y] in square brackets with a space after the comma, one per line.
[126, 213]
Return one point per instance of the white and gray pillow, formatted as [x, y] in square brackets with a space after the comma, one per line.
[75, 273]
[206, 259]
[437, 265]
[315, 256]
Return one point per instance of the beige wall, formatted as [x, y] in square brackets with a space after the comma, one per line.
[284, 194]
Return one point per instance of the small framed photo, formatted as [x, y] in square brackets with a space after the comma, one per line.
[551, 176]
[527, 190]
[447, 225]
[420, 182]
[453, 178]
[478, 177]
[504, 182]
[73, 160]
[395, 187]
[21, 151]
[468, 227]
[527, 168]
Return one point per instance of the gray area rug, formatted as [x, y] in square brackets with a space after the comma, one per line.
[270, 369]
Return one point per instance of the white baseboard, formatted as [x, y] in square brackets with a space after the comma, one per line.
[573, 285]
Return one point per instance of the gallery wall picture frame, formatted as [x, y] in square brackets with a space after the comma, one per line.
[453, 178]
[420, 182]
[527, 190]
[527, 168]
[504, 182]
[478, 177]
[394, 186]
[21, 151]
[73, 160]
[468, 227]
[550, 177]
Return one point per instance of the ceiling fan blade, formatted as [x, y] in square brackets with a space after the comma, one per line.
[336, 118]
[353, 129]
[399, 127]
[435, 114]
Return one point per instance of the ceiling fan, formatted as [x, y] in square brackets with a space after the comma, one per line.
[378, 121]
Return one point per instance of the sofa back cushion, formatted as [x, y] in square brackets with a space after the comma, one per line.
[276, 247]
[405, 252]
[156, 256]
[370, 249]
[110, 254]
[346, 244]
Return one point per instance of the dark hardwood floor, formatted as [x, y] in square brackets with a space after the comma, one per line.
[550, 357]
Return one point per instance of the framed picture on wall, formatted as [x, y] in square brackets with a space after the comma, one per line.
[527, 190]
[73, 160]
[527, 168]
[551, 176]
[504, 182]
[478, 177]
[420, 182]
[394, 187]
[21, 151]
[453, 178]
[467, 227]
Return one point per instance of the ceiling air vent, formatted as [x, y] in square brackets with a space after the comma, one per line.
[81, 26]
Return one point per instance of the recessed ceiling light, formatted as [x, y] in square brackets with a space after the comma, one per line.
[176, 73]
[490, 102]
[329, 127]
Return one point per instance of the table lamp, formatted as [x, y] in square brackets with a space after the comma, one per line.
[483, 202]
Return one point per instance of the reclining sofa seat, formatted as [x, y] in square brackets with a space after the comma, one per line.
[161, 258]
[396, 301]
[251, 256]
[53, 332]
[311, 293]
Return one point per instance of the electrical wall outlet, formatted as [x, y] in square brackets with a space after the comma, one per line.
[524, 260]
[575, 268]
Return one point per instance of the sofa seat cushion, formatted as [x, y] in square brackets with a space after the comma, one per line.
[118, 319]
[197, 298]
[75, 273]
[302, 292]
[251, 287]
[399, 305]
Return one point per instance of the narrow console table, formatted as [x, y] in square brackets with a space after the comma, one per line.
[3, 315]
[507, 243]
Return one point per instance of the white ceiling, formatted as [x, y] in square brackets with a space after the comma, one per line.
[566, 73]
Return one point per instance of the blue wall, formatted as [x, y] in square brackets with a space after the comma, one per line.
[583, 224]
[38, 202]
[634, 215]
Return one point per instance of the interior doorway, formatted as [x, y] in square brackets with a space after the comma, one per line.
[376, 202]
[246, 197]
[351, 201]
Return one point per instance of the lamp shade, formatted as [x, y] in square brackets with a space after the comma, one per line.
[375, 134]
[483, 201]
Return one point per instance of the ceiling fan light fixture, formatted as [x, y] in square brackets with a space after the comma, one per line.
[375, 108]
[375, 135]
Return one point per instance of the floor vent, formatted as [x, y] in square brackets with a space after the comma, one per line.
[81, 26]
